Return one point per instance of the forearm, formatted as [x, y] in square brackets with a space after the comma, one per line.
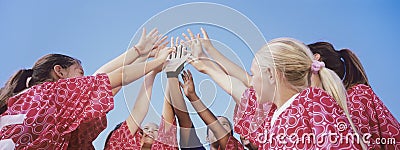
[209, 118]
[178, 103]
[227, 83]
[124, 59]
[168, 112]
[141, 106]
[138, 60]
[129, 73]
[230, 67]
[188, 134]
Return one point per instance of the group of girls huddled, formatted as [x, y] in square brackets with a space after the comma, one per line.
[297, 97]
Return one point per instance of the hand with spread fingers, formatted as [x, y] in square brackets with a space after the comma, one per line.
[164, 53]
[159, 45]
[205, 40]
[176, 60]
[148, 42]
[188, 86]
[194, 44]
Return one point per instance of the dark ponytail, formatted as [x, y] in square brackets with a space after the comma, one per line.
[355, 73]
[329, 56]
[14, 85]
[344, 62]
[40, 72]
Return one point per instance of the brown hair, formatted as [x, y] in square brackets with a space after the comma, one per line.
[344, 62]
[40, 72]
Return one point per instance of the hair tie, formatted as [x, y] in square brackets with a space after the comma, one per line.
[316, 66]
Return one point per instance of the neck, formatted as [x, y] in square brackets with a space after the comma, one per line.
[284, 94]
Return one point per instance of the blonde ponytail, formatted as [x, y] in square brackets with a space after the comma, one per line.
[333, 85]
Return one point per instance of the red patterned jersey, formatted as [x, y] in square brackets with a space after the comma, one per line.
[122, 138]
[312, 121]
[372, 118]
[233, 144]
[54, 115]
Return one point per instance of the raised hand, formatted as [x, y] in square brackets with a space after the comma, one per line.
[199, 65]
[164, 53]
[188, 85]
[194, 44]
[205, 40]
[176, 60]
[148, 42]
[159, 45]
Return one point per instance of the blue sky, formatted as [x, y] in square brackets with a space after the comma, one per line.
[97, 31]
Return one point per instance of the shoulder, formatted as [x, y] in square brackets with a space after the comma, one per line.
[315, 99]
[360, 89]
[313, 94]
[249, 92]
[249, 95]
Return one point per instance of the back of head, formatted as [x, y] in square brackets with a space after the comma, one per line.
[40, 72]
[294, 60]
[344, 62]
[290, 57]
[329, 56]
[355, 73]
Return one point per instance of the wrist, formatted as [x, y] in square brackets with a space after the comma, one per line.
[175, 74]
[193, 97]
[137, 50]
[140, 47]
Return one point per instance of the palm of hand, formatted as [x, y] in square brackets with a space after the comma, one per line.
[197, 49]
[188, 88]
[177, 59]
[163, 54]
[147, 41]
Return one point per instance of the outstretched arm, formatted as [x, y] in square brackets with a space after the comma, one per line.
[206, 115]
[188, 136]
[149, 43]
[229, 84]
[168, 112]
[230, 67]
[129, 73]
[146, 43]
[141, 107]
[187, 131]
[208, 67]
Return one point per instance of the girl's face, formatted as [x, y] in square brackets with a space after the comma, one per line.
[150, 133]
[74, 70]
[263, 82]
[225, 123]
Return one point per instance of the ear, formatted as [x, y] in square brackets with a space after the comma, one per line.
[59, 71]
[271, 76]
[317, 57]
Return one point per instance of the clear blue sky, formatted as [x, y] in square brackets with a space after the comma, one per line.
[97, 31]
